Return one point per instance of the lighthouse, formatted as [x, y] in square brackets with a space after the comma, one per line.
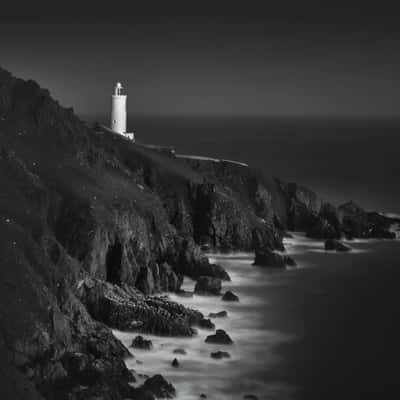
[118, 112]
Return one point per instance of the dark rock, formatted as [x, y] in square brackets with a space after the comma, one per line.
[208, 285]
[230, 296]
[159, 387]
[175, 363]
[250, 397]
[220, 337]
[220, 354]
[206, 323]
[179, 351]
[267, 258]
[332, 244]
[145, 282]
[127, 309]
[169, 281]
[203, 396]
[220, 314]
[140, 343]
[289, 261]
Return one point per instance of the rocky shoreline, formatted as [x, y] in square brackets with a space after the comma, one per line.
[94, 227]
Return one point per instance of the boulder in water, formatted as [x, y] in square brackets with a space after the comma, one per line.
[139, 342]
[220, 337]
[230, 296]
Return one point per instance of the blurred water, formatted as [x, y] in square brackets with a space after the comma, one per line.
[324, 330]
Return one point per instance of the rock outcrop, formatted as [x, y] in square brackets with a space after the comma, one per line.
[128, 309]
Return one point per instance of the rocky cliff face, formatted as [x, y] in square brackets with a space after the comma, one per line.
[79, 205]
[92, 225]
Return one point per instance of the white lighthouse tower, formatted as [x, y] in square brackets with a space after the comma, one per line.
[118, 112]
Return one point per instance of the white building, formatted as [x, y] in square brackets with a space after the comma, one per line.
[118, 113]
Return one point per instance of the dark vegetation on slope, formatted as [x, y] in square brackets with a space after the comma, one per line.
[91, 225]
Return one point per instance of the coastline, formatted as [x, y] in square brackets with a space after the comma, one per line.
[198, 373]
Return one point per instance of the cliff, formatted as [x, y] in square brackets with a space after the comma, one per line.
[92, 225]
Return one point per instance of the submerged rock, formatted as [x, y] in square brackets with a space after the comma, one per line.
[220, 337]
[220, 354]
[333, 244]
[179, 351]
[220, 314]
[139, 342]
[230, 296]
[208, 285]
[250, 397]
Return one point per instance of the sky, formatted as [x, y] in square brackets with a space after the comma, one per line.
[229, 61]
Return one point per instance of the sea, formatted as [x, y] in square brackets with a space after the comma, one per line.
[327, 329]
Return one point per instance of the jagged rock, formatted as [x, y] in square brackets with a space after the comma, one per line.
[220, 337]
[230, 296]
[169, 281]
[127, 310]
[139, 342]
[175, 363]
[145, 282]
[332, 244]
[208, 285]
[220, 354]
[159, 387]
[220, 314]
[179, 351]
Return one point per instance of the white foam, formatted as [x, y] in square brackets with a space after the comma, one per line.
[198, 372]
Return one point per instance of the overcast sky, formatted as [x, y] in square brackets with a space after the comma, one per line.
[208, 61]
